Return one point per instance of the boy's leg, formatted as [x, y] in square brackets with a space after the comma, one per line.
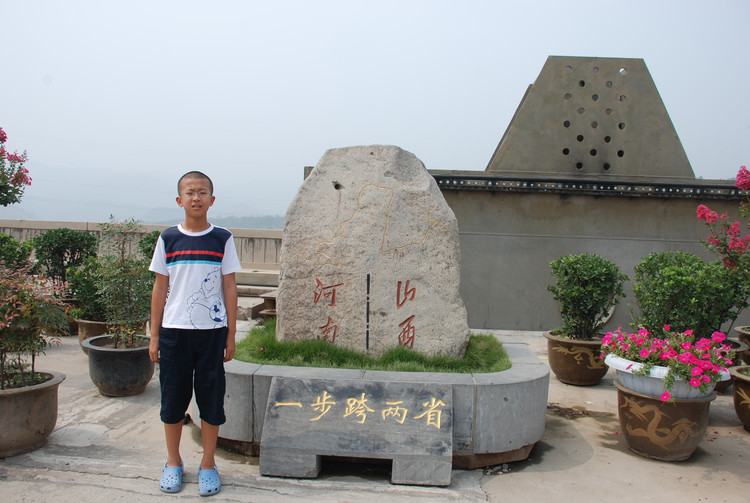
[209, 437]
[176, 381]
[210, 385]
[173, 433]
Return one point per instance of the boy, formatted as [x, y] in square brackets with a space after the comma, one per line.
[193, 324]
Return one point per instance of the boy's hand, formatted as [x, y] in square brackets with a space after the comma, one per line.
[229, 351]
[153, 349]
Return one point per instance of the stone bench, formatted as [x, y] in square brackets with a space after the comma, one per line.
[496, 417]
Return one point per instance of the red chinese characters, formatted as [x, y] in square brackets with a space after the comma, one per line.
[405, 293]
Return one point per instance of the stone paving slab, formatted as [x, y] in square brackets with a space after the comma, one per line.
[111, 449]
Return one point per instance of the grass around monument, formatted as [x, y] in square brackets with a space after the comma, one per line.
[483, 354]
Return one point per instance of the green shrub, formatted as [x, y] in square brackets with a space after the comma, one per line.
[147, 244]
[683, 291]
[82, 282]
[587, 288]
[14, 254]
[57, 250]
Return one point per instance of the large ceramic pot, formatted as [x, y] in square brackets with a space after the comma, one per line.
[574, 361]
[743, 334]
[667, 431]
[742, 394]
[121, 371]
[653, 384]
[28, 415]
[88, 329]
[740, 350]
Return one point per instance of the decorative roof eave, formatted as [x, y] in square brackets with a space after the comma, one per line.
[689, 189]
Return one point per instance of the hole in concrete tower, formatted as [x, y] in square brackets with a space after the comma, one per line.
[606, 166]
[608, 111]
[621, 125]
[568, 96]
[337, 185]
[608, 83]
[579, 138]
[579, 165]
[595, 97]
[620, 153]
[593, 152]
[623, 98]
[607, 139]
[594, 125]
[581, 83]
[623, 71]
[566, 123]
[565, 151]
[581, 110]
[596, 69]
[568, 69]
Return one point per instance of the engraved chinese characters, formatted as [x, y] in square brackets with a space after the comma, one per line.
[407, 422]
[370, 257]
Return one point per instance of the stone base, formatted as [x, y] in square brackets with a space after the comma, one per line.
[497, 417]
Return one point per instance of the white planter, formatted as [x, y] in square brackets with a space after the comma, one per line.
[653, 384]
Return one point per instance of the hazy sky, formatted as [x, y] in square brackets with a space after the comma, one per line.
[114, 100]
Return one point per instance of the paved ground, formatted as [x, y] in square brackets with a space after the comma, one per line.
[111, 449]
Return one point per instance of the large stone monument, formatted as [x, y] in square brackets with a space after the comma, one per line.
[370, 257]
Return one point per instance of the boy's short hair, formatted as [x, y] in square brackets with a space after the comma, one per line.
[195, 174]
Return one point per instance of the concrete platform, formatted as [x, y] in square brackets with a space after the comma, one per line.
[112, 449]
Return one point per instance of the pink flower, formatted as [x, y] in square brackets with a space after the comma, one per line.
[705, 378]
[718, 337]
[743, 179]
[667, 327]
[705, 213]
[644, 352]
[665, 396]
[696, 371]
[695, 382]
[3, 136]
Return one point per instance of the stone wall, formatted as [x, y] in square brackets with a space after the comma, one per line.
[257, 248]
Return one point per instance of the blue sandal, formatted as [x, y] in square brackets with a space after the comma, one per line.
[171, 478]
[208, 482]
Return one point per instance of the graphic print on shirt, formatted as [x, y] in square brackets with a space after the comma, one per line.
[205, 306]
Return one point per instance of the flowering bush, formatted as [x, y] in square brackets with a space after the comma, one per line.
[726, 237]
[29, 306]
[14, 177]
[700, 363]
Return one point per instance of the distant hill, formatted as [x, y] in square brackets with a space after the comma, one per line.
[257, 222]
[262, 222]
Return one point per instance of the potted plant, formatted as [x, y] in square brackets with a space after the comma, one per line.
[30, 307]
[741, 377]
[588, 287]
[89, 311]
[726, 239]
[119, 363]
[57, 250]
[665, 387]
[681, 290]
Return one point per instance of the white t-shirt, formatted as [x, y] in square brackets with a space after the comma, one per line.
[195, 263]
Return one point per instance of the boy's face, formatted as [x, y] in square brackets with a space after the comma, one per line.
[195, 197]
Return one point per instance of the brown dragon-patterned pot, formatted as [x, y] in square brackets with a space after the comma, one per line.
[742, 393]
[667, 431]
[574, 361]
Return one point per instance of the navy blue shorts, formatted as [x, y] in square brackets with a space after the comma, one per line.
[192, 360]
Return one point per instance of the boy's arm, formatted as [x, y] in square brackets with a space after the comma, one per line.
[158, 300]
[229, 285]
